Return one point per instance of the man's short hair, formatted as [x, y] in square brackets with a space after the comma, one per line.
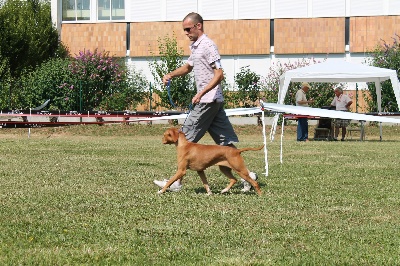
[339, 89]
[194, 17]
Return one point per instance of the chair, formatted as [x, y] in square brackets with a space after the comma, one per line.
[356, 128]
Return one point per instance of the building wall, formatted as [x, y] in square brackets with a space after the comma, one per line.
[368, 32]
[233, 37]
[238, 37]
[309, 35]
[105, 36]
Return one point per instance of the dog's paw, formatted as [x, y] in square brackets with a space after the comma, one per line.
[209, 193]
[224, 191]
[159, 192]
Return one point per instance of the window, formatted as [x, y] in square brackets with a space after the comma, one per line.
[111, 9]
[73, 10]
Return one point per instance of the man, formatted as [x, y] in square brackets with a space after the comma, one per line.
[342, 102]
[208, 113]
[302, 123]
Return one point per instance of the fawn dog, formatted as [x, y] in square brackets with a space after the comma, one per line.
[198, 157]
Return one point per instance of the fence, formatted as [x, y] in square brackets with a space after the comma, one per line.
[80, 96]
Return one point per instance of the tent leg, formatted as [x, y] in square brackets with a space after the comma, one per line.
[283, 124]
[265, 144]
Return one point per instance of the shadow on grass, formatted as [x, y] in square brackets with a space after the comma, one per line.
[236, 190]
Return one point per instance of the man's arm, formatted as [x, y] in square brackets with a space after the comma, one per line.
[180, 71]
[348, 104]
[218, 77]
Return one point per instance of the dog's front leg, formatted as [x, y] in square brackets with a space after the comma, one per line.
[204, 180]
[179, 174]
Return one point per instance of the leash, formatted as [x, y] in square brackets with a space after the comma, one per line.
[169, 93]
[172, 103]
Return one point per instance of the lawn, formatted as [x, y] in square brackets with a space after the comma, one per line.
[83, 195]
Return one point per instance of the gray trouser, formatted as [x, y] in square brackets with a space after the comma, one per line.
[209, 117]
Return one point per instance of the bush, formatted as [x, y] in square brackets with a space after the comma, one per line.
[386, 55]
[247, 89]
[182, 89]
[322, 93]
[89, 81]
[44, 83]
[100, 81]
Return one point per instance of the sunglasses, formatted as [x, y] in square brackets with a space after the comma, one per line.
[189, 29]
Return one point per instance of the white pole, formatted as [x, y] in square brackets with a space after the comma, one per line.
[283, 124]
[265, 144]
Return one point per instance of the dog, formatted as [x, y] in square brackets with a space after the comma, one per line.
[198, 157]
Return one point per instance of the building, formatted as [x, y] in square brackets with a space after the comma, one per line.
[254, 33]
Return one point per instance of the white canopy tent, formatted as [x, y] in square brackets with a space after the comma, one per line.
[339, 71]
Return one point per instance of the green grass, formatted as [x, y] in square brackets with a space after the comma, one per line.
[84, 195]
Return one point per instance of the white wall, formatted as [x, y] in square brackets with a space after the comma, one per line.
[175, 10]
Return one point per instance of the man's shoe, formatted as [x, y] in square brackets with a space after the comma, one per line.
[175, 187]
[246, 185]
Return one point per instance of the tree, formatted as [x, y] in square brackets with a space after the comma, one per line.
[247, 89]
[385, 55]
[322, 93]
[182, 89]
[27, 36]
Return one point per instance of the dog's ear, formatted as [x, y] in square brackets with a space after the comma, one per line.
[170, 136]
[174, 134]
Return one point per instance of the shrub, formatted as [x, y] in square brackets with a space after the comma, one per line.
[99, 81]
[43, 83]
[89, 81]
[322, 93]
[247, 89]
[182, 89]
[385, 55]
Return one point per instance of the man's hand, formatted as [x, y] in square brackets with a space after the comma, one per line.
[166, 78]
[196, 98]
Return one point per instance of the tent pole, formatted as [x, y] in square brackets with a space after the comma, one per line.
[283, 124]
[265, 143]
[379, 102]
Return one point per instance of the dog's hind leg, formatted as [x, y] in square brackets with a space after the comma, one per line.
[245, 175]
[204, 180]
[228, 172]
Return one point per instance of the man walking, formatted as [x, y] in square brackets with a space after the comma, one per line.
[208, 114]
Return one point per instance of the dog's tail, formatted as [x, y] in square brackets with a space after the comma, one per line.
[251, 149]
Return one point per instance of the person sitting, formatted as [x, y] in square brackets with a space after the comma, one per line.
[341, 102]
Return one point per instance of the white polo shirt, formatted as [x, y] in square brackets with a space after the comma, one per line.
[204, 53]
[341, 102]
